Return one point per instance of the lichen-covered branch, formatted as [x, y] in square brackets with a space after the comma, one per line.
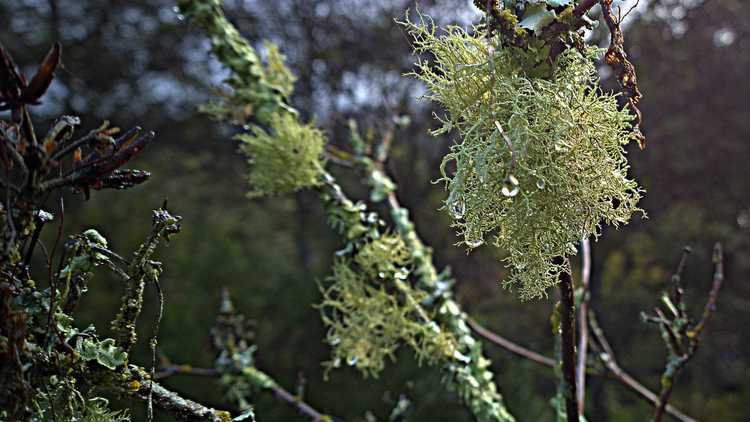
[484, 400]
[235, 364]
[680, 333]
[142, 270]
[359, 227]
[139, 386]
[277, 390]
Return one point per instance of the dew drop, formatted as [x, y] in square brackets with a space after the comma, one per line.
[540, 183]
[510, 186]
[352, 360]
[457, 209]
[474, 243]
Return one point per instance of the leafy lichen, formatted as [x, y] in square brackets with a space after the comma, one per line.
[540, 161]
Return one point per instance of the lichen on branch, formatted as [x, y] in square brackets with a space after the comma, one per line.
[539, 160]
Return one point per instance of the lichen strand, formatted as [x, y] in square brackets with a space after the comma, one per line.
[540, 162]
[369, 310]
[285, 158]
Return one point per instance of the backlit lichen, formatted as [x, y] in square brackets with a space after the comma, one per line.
[539, 163]
[285, 158]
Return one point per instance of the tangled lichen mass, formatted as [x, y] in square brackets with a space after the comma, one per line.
[539, 162]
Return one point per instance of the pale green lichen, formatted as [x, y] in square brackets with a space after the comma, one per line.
[540, 162]
[285, 154]
[370, 311]
[285, 158]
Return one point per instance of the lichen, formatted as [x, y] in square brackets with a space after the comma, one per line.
[369, 310]
[539, 162]
[284, 158]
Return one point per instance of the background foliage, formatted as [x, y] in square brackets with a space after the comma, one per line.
[136, 62]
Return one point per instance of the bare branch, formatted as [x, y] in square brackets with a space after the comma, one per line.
[583, 339]
[568, 333]
[509, 345]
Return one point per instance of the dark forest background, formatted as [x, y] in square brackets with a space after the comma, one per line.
[135, 62]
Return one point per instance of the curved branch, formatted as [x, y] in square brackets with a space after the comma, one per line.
[509, 345]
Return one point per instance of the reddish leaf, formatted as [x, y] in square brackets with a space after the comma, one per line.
[43, 78]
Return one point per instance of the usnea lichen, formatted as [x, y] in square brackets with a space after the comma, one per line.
[284, 154]
[540, 161]
[366, 320]
[285, 158]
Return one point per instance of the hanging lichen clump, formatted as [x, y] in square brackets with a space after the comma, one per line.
[540, 161]
[284, 158]
[369, 309]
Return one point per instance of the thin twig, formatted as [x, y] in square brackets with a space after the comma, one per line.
[682, 339]
[583, 338]
[610, 362]
[509, 345]
[617, 58]
[718, 279]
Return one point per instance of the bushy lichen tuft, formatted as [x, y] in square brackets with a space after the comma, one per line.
[285, 158]
[540, 162]
[370, 310]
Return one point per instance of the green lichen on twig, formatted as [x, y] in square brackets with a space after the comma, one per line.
[258, 91]
[539, 163]
[284, 154]
[467, 370]
[142, 270]
[370, 310]
[284, 158]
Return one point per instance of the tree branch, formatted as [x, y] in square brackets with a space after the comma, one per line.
[280, 392]
[568, 333]
[610, 362]
[173, 403]
[509, 345]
